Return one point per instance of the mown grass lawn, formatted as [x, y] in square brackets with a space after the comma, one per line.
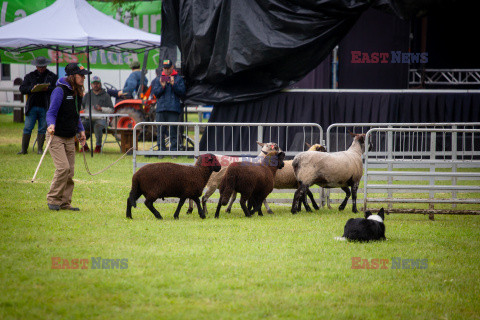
[276, 267]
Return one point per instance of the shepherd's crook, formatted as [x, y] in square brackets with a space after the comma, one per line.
[41, 159]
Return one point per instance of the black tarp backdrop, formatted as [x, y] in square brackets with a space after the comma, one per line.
[318, 78]
[448, 44]
[449, 37]
[234, 51]
[326, 108]
[240, 50]
[375, 32]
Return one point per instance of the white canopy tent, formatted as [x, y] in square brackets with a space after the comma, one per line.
[74, 26]
[73, 23]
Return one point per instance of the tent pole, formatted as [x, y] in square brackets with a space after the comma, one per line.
[89, 103]
[142, 78]
[56, 55]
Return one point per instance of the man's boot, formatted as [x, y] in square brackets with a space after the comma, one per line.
[40, 141]
[25, 143]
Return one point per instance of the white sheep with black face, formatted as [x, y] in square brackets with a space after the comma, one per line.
[342, 169]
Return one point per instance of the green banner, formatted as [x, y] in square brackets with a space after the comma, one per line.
[146, 16]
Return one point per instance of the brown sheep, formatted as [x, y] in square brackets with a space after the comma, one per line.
[162, 180]
[254, 181]
[285, 179]
[225, 161]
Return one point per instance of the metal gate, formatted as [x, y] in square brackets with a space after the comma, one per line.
[434, 167]
[338, 139]
[242, 137]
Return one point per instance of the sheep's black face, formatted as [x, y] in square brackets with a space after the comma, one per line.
[275, 159]
[209, 160]
[281, 157]
[316, 147]
[361, 139]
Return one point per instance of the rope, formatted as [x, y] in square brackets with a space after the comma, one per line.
[108, 167]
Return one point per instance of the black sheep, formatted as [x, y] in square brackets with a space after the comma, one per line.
[162, 180]
[254, 181]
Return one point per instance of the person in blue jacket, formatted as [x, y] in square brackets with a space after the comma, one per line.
[132, 84]
[168, 88]
[37, 102]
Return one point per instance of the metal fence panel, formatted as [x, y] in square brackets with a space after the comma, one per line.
[404, 145]
[290, 137]
[145, 136]
[432, 162]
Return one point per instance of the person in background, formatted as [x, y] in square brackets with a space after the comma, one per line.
[63, 120]
[37, 102]
[132, 84]
[168, 88]
[114, 94]
[101, 103]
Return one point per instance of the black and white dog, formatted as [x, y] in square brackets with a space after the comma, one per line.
[369, 229]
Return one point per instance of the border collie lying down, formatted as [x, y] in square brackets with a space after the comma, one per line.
[368, 229]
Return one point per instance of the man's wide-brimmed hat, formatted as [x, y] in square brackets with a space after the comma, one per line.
[41, 62]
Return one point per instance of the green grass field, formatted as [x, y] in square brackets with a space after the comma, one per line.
[275, 267]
